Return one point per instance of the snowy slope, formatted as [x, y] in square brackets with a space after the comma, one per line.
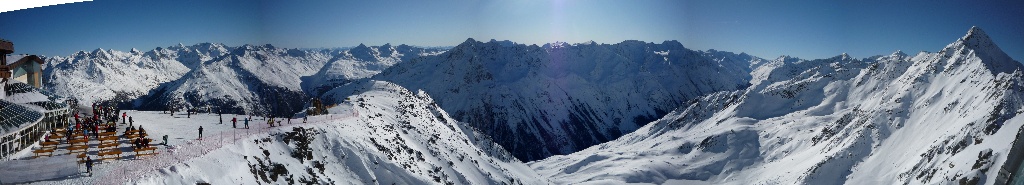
[558, 98]
[248, 79]
[397, 137]
[933, 118]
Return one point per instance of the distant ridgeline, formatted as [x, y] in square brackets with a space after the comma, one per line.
[208, 77]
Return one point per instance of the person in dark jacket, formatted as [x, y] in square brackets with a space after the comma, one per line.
[200, 132]
[88, 165]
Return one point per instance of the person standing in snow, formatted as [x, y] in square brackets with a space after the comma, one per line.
[200, 132]
[124, 115]
[304, 119]
[165, 140]
[246, 123]
[234, 122]
[88, 165]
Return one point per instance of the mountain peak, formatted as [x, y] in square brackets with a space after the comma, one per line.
[977, 37]
[898, 53]
[672, 43]
[978, 41]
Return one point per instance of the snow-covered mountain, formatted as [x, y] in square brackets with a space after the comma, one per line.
[108, 74]
[360, 62]
[397, 137]
[538, 101]
[932, 118]
[259, 79]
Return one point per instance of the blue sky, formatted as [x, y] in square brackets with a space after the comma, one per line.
[806, 29]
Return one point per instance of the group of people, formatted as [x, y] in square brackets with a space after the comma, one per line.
[90, 127]
[110, 113]
[234, 123]
[140, 143]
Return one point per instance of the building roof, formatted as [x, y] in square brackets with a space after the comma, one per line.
[14, 116]
[14, 60]
[25, 105]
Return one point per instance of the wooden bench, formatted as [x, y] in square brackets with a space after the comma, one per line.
[79, 141]
[77, 148]
[81, 159]
[49, 144]
[107, 134]
[106, 139]
[109, 145]
[139, 152]
[39, 152]
[110, 154]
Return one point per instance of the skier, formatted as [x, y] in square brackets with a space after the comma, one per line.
[130, 120]
[200, 132]
[246, 123]
[124, 115]
[165, 140]
[234, 122]
[304, 119]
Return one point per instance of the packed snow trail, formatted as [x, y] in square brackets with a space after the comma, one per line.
[178, 154]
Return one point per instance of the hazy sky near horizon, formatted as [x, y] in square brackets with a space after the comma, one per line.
[806, 29]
